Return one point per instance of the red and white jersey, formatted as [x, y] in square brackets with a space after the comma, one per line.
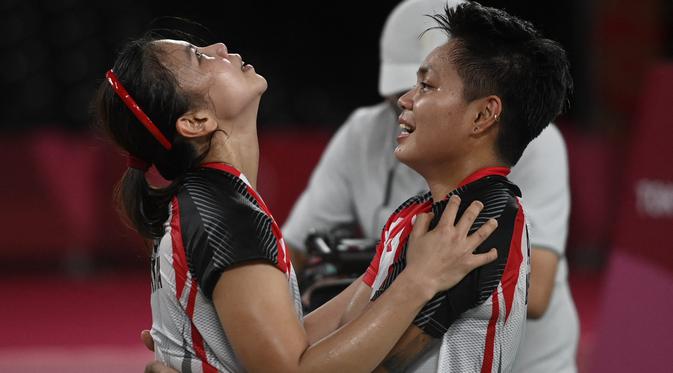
[216, 220]
[481, 320]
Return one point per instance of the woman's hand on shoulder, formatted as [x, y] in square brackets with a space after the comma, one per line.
[442, 257]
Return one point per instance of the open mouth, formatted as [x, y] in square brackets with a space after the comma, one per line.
[245, 66]
[406, 129]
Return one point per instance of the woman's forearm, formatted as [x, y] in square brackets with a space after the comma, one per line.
[326, 319]
[363, 343]
[261, 324]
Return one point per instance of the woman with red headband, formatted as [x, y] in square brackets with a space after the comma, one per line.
[224, 294]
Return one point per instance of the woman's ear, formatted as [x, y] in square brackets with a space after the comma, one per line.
[488, 113]
[196, 124]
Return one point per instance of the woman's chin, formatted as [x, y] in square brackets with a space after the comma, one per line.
[263, 85]
[407, 156]
[401, 154]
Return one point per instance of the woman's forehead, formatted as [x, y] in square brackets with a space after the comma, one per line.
[440, 60]
[174, 53]
[171, 44]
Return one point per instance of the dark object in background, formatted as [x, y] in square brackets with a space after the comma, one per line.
[56, 52]
[334, 260]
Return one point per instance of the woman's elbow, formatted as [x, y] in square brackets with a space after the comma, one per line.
[537, 307]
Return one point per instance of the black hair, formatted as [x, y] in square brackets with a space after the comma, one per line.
[156, 90]
[498, 54]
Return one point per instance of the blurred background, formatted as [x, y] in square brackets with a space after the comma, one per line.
[74, 280]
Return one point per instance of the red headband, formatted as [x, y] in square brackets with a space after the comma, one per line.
[136, 110]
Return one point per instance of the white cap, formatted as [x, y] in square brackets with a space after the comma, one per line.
[402, 48]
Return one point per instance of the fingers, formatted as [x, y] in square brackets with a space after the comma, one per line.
[146, 337]
[478, 260]
[478, 237]
[421, 225]
[469, 216]
[151, 367]
[158, 367]
[448, 218]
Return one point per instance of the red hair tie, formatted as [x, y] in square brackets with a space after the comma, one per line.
[137, 163]
[136, 110]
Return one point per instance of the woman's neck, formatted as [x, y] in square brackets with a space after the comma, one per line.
[238, 146]
[442, 180]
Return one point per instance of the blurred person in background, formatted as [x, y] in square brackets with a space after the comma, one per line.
[359, 180]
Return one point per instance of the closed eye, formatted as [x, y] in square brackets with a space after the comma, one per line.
[424, 86]
[193, 49]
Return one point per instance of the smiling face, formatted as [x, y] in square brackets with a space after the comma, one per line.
[436, 120]
[222, 78]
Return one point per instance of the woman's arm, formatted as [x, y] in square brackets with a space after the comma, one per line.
[413, 345]
[327, 318]
[543, 266]
[259, 318]
[257, 313]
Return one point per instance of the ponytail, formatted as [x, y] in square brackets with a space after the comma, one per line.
[143, 207]
[137, 106]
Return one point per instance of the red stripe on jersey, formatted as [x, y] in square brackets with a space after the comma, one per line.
[180, 266]
[283, 260]
[409, 214]
[483, 172]
[406, 215]
[181, 270]
[408, 226]
[197, 339]
[489, 348]
[223, 167]
[284, 263]
[510, 276]
[373, 269]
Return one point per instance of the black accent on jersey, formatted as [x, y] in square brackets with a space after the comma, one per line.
[186, 366]
[155, 269]
[222, 225]
[419, 198]
[499, 198]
